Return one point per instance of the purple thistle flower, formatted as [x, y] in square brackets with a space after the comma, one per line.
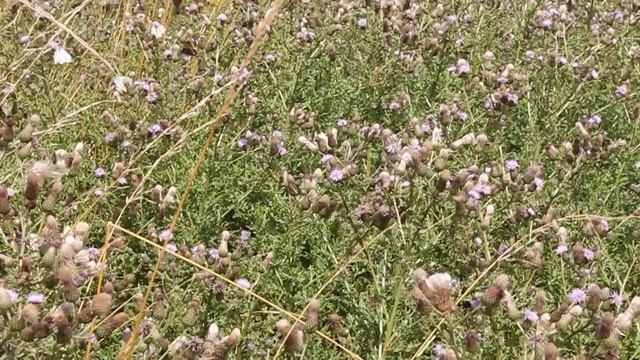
[336, 175]
[326, 158]
[589, 254]
[126, 334]
[154, 129]
[165, 235]
[616, 299]
[594, 74]
[94, 252]
[577, 296]
[24, 39]
[622, 91]
[530, 315]
[393, 148]
[36, 298]
[462, 115]
[562, 60]
[511, 164]
[475, 303]
[122, 181]
[214, 255]
[242, 143]
[13, 296]
[172, 248]
[539, 183]
[362, 23]
[439, 350]
[100, 172]
[342, 123]
[222, 18]
[218, 78]
[561, 249]
[595, 120]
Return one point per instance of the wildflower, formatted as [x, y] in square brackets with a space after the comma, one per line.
[172, 248]
[439, 350]
[622, 91]
[561, 249]
[342, 123]
[100, 172]
[362, 23]
[594, 74]
[243, 283]
[616, 299]
[595, 120]
[24, 39]
[538, 182]
[165, 235]
[336, 175]
[222, 18]
[122, 181]
[511, 164]
[218, 78]
[577, 296]
[98, 192]
[589, 254]
[214, 255]
[155, 129]
[463, 67]
[531, 315]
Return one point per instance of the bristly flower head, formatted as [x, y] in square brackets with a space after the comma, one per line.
[577, 296]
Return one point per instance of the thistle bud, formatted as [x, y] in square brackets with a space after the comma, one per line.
[32, 189]
[551, 351]
[295, 341]
[472, 341]
[312, 317]
[30, 314]
[101, 304]
[594, 297]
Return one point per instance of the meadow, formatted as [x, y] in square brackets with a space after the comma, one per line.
[319, 179]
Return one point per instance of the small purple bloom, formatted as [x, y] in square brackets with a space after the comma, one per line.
[218, 78]
[214, 255]
[165, 235]
[561, 249]
[595, 120]
[242, 143]
[578, 296]
[24, 39]
[616, 299]
[342, 123]
[530, 315]
[594, 74]
[326, 158]
[36, 298]
[362, 23]
[122, 181]
[98, 192]
[245, 235]
[172, 248]
[511, 164]
[439, 350]
[622, 91]
[222, 18]
[336, 175]
[94, 252]
[589, 254]
[462, 115]
[243, 283]
[562, 60]
[539, 183]
[100, 172]
[13, 296]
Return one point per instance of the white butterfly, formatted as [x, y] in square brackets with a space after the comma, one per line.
[157, 30]
[62, 56]
[121, 83]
